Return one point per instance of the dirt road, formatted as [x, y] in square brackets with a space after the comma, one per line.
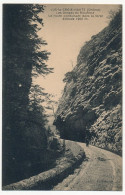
[102, 171]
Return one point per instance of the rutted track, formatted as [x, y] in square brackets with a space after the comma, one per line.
[101, 172]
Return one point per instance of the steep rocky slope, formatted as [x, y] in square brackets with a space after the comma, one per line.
[90, 107]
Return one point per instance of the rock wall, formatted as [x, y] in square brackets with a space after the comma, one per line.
[90, 107]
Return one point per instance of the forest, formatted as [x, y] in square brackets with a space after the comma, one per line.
[25, 138]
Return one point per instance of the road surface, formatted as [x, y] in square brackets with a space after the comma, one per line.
[102, 171]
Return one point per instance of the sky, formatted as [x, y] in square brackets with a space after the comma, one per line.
[85, 29]
[65, 39]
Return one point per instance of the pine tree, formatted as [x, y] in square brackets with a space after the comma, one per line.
[22, 59]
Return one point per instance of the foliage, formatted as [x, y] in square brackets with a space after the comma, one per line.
[69, 76]
[114, 13]
[51, 103]
[36, 97]
[23, 119]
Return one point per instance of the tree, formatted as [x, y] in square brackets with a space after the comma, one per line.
[69, 76]
[36, 96]
[22, 59]
[51, 104]
[114, 13]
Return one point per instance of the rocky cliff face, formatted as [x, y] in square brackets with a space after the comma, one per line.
[90, 106]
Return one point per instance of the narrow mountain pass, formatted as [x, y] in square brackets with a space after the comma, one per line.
[102, 171]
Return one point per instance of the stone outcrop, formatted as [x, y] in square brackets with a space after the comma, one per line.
[90, 106]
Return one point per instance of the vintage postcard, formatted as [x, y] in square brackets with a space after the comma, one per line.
[62, 97]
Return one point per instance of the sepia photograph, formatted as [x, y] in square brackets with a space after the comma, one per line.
[62, 97]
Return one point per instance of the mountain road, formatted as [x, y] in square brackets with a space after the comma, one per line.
[101, 171]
